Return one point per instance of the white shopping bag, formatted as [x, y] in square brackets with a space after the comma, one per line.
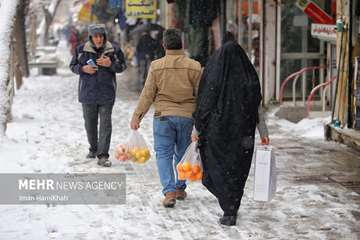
[265, 173]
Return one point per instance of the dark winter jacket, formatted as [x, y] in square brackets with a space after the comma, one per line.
[98, 88]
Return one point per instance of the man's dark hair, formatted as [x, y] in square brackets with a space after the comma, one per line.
[172, 39]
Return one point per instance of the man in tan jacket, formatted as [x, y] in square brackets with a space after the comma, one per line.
[171, 84]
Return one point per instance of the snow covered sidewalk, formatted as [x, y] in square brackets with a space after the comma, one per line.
[47, 136]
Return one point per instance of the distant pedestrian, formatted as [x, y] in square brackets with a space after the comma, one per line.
[97, 61]
[146, 51]
[73, 39]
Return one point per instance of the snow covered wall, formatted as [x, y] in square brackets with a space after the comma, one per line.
[7, 12]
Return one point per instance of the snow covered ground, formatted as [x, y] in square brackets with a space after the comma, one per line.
[312, 128]
[47, 136]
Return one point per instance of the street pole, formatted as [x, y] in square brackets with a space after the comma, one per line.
[278, 47]
[240, 23]
[250, 27]
[222, 18]
[350, 66]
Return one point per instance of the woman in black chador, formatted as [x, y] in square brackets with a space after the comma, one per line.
[225, 118]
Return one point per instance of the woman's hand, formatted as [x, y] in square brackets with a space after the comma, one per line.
[194, 137]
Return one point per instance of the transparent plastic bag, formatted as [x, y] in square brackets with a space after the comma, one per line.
[134, 149]
[137, 147]
[190, 166]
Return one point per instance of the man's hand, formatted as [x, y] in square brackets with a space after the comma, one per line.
[194, 137]
[265, 141]
[89, 69]
[104, 61]
[135, 124]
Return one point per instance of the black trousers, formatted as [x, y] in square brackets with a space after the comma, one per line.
[99, 140]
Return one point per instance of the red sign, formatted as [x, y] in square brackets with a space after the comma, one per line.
[315, 13]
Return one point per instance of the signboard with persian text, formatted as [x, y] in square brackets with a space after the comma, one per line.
[324, 32]
[141, 9]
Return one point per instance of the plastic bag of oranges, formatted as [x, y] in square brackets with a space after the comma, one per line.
[190, 167]
[134, 149]
[137, 148]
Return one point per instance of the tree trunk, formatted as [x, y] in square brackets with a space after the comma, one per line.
[6, 29]
[20, 36]
[19, 33]
[33, 36]
[48, 21]
[13, 70]
[45, 24]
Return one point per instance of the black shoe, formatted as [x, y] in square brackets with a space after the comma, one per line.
[91, 155]
[104, 162]
[228, 220]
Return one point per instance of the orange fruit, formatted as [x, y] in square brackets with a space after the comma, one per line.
[132, 152]
[179, 168]
[121, 149]
[192, 178]
[188, 174]
[196, 169]
[145, 153]
[195, 177]
[199, 175]
[142, 160]
[181, 175]
[138, 155]
[186, 166]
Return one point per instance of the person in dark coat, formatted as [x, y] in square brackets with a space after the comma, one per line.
[97, 62]
[261, 123]
[73, 39]
[147, 50]
[199, 16]
[226, 117]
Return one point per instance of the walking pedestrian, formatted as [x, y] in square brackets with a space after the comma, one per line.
[97, 61]
[171, 84]
[226, 116]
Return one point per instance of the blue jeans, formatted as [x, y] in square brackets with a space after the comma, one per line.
[172, 135]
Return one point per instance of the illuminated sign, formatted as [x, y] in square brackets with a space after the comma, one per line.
[141, 9]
